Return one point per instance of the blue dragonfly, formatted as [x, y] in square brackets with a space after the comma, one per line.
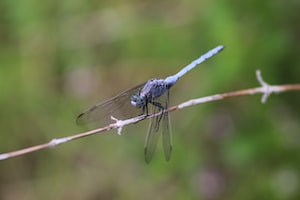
[154, 93]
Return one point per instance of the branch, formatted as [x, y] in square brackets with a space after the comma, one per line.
[265, 89]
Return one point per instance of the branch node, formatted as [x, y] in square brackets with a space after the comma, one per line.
[4, 156]
[119, 124]
[54, 142]
[265, 86]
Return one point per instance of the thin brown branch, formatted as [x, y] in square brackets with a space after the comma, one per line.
[265, 89]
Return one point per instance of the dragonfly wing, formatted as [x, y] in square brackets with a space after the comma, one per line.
[118, 106]
[152, 136]
[166, 131]
[153, 130]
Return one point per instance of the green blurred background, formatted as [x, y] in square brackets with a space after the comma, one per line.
[57, 58]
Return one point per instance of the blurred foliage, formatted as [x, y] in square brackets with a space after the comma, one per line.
[59, 57]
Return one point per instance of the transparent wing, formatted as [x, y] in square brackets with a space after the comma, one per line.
[154, 133]
[152, 136]
[118, 106]
[166, 131]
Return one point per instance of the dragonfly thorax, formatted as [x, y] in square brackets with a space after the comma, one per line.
[153, 89]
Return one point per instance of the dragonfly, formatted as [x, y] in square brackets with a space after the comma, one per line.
[151, 95]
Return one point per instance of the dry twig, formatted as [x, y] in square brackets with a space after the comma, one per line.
[265, 89]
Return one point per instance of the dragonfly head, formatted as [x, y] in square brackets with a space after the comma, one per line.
[138, 101]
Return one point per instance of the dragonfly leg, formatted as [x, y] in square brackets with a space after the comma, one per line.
[144, 109]
[158, 119]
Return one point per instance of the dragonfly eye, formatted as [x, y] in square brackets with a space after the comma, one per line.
[137, 101]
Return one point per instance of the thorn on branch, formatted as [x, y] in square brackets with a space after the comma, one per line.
[119, 124]
[265, 86]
